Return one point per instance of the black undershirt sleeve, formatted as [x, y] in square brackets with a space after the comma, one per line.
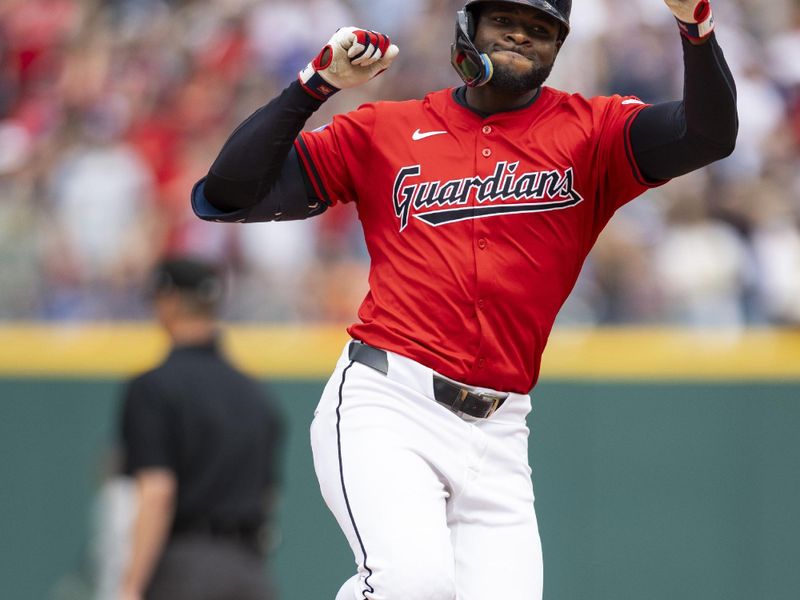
[251, 162]
[673, 138]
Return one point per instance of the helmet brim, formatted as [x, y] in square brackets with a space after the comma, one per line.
[540, 5]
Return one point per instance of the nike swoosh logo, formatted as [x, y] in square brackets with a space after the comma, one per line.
[418, 135]
[631, 101]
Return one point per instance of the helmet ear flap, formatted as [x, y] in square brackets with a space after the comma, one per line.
[473, 66]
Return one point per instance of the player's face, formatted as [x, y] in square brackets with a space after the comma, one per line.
[522, 43]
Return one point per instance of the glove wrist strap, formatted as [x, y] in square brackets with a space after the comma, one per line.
[702, 27]
[314, 85]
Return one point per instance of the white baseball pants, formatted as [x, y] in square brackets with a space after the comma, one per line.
[435, 506]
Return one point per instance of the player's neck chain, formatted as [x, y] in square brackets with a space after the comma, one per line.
[503, 192]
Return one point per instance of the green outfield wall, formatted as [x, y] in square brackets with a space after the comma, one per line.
[649, 486]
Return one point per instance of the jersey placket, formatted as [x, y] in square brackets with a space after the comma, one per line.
[485, 163]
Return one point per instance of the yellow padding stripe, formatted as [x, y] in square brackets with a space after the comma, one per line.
[97, 350]
[645, 353]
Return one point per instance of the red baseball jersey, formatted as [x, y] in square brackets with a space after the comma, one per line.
[477, 228]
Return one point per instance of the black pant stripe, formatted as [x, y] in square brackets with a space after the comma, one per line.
[369, 588]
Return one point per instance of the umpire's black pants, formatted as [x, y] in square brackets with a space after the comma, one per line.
[202, 567]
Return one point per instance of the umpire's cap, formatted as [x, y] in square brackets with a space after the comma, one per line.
[196, 279]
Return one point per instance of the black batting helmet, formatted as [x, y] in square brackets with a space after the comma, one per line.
[474, 67]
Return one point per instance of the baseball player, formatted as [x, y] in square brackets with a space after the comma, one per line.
[479, 205]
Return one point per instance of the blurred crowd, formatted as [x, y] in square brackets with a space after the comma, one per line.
[111, 109]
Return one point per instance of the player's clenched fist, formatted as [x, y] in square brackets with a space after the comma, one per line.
[351, 57]
[694, 17]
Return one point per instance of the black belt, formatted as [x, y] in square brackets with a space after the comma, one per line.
[245, 534]
[457, 398]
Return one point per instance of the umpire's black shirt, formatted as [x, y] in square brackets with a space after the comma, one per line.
[214, 428]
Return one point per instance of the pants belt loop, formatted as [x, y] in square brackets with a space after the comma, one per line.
[369, 356]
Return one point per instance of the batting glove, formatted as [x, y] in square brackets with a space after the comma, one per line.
[352, 56]
[694, 18]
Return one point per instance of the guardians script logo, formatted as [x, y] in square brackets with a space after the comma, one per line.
[502, 193]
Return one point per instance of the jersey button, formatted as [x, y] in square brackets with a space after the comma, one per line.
[486, 152]
[481, 303]
[482, 243]
[481, 363]
[487, 129]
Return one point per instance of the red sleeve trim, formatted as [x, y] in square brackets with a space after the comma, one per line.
[311, 171]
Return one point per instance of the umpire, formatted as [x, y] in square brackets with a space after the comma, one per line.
[202, 441]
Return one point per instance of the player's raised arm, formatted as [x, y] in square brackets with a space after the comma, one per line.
[257, 175]
[673, 138]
